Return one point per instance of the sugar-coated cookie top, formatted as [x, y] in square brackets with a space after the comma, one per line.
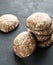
[24, 44]
[38, 21]
[8, 19]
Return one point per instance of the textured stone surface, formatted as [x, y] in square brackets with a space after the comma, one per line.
[22, 9]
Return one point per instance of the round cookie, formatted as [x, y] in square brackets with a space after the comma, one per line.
[38, 21]
[41, 37]
[24, 44]
[46, 43]
[8, 22]
[52, 27]
[43, 32]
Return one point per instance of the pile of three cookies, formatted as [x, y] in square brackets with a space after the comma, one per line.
[40, 25]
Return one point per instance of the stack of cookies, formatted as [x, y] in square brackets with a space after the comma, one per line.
[40, 24]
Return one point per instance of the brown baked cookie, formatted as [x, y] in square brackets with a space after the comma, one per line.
[8, 22]
[38, 21]
[46, 43]
[41, 37]
[24, 44]
[43, 32]
[52, 26]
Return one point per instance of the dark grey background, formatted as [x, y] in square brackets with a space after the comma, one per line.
[22, 9]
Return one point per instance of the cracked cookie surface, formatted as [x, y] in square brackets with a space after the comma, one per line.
[38, 21]
[8, 22]
[24, 44]
[46, 43]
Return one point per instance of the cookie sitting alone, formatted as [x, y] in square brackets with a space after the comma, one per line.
[8, 22]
